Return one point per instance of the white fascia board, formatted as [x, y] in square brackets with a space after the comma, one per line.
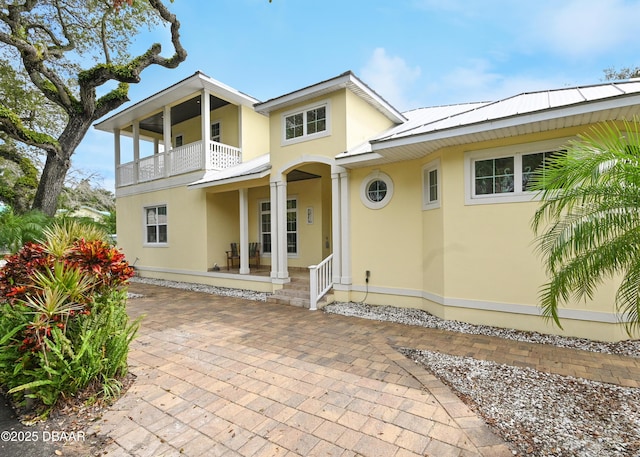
[507, 122]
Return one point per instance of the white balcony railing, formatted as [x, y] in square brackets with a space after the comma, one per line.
[184, 159]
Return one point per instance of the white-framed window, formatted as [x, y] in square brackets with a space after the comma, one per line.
[156, 223]
[376, 190]
[431, 186]
[292, 226]
[503, 175]
[178, 140]
[306, 123]
[216, 132]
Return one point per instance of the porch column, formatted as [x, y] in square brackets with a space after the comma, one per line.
[244, 231]
[279, 260]
[345, 228]
[116, 154]
[166, 139]
[335, 227]
[273, 202]
[205, 119]
[136, 151]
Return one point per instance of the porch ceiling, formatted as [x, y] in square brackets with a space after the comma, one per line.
[180, 113]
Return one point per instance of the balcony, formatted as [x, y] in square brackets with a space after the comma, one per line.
[177, 161]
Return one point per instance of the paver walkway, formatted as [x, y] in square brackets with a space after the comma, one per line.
[219, 376]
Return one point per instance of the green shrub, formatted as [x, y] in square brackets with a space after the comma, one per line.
[63, 318]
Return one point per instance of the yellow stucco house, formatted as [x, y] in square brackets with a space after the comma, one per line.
[427, 208]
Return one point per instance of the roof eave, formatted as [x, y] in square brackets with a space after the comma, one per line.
[345, 80]
[178, 91]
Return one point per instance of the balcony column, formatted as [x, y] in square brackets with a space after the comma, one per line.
[345, 228]
[166, 138]
[136, 151]
[205, 116]
[116, 154]
[244, 231]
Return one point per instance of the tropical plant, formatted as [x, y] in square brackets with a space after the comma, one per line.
[18, 229]
[589, 217]
[63, 319]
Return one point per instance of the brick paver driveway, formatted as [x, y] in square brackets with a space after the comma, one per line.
[220, 376]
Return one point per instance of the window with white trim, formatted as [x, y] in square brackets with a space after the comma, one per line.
[292, 226]
[156, 224]
[307, 123]
[178, 141]
[216, 132]
[504, 174]
[431, 185]
[376, 190]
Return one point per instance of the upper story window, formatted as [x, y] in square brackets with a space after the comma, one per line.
[178, 141]
[306, 123]
[216, 132]
[156, 224]
[431, 185]
[504, 174]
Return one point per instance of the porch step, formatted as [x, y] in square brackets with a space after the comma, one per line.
[296, 293]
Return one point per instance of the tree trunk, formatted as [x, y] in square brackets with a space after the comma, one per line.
[51, 183]
[57, 165]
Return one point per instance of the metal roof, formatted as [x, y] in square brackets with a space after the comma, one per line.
[430, 129]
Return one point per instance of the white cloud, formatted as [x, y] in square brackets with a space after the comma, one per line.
[478, 81]
[391, 77]
[580, 28]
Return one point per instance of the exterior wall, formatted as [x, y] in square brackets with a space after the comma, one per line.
[326, 146]
[186, 224]
[254, 131]
[362, 121]
[474, 263]
[388, 241]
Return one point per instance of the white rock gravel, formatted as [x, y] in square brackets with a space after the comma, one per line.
[540, 414]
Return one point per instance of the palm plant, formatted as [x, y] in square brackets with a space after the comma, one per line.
[17, 229]
[589, 217]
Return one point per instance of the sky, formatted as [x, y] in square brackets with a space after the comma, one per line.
[413, 53]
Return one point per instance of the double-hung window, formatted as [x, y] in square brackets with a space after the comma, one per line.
[306, 123]
[292, 226]
[505, 174]
[156, 224]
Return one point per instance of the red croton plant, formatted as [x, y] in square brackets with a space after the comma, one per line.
[103, 264]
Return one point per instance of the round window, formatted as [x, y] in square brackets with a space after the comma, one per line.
[376, 190]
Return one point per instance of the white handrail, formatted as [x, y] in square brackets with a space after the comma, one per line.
[320, 280]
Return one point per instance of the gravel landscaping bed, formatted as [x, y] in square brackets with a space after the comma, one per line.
[540, 414]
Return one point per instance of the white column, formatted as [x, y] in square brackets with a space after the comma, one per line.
[116, 154]
[136, 150]
[205, 115]
[281, 215]
[244, 231]
[166, 128]
[335, 227]
[345, 228]
[166, 138]
[273, 203]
